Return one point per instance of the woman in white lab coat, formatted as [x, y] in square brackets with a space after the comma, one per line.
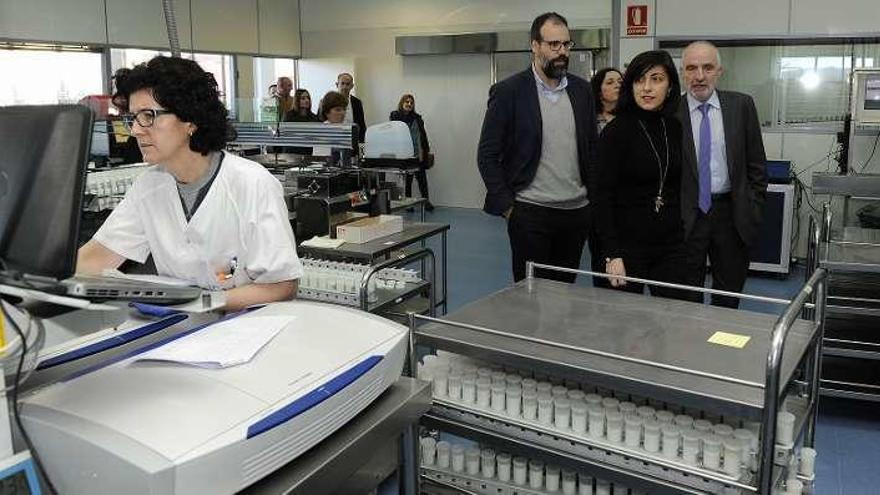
[206, 216]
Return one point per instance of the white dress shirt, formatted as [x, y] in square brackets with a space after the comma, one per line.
[718, 163]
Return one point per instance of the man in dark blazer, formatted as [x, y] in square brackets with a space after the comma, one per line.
[723, 174]
[537, 154]
[355, 111]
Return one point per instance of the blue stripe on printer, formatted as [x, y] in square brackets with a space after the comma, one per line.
[313, 398]
[154, 345]
[110, 343]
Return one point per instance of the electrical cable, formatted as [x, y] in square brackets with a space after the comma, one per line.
[871, 156]
[15, 406]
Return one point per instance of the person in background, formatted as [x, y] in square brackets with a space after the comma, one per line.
[302, 108]
[606, 90]
[285, 101]
[637, 209]
[724, 179]
[354, 112]
[301, 112]
[537, 154]
[406, 113]
[206, 216]
[331, 110]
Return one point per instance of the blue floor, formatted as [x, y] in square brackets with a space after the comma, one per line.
[848, 433]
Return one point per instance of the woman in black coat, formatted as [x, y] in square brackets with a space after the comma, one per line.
[638, 213]
[406, 113]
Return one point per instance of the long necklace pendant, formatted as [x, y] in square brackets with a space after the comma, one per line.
[658, 203]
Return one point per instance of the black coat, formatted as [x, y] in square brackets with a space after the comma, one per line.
[357, 114]
[511, 138]
[746, 164]
[426, 147]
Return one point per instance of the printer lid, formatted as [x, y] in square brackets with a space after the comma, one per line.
[172, 408]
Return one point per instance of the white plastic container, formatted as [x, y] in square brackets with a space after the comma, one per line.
[545, 410]
[569, 482]
[646, 412]
[690, 446]
[807, 466]
[579, 417]
[614, 426]
[513, 395]
[499, 397]
[530, 405]
[443, 454]
[536, 474]
[733, 455]
[671, 441]
[458, 458]
[585, 484]
[603, 487]
[484, 392]
[652, 435]
[627, 408]
[785, 428]
[665, 417]
[469, 389]
[472, 461]
[596, 421]
[712, 452]
[520, 470]
[487, 463]
[562, 413]
[503, 463]
[429, 450]
[684, 421]
[551, 478]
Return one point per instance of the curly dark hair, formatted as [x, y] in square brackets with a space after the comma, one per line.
[183, 87]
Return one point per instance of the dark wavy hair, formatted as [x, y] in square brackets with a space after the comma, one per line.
[183, 87]
[637, 68]
[332, 100]
[596, 83]
[406, 96]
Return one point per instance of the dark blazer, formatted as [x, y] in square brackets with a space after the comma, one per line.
[511, 138]
[357, 113]
[746, 164]
[423, 135]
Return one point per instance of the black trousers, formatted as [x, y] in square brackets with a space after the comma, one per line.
[597, 261]
[663, 263]
[547, 235]
[714, 235]
[421, 178]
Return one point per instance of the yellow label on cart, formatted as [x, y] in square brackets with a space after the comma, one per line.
[729, 339]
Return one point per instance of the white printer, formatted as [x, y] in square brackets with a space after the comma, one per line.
[140, 427]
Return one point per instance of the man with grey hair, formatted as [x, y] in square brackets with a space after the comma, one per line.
[723, 174]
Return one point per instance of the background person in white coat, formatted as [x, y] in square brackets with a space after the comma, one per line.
[208, 217]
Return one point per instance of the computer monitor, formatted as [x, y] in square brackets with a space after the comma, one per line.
[43, 155]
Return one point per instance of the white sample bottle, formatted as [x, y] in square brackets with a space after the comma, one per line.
[455, 386]
[665, 417]
[429, 450]
[536, 474]
[562, 413]
[690, 446]
[733, 455]
[652, 435]
[614, 421]
[545, 410]
[469, 389]
[684, 421]
[712, 452]
[513, 400]
[484, 392]
[503, 467]
[807, 466]
[487, 463]
[646, 412]
[585, 484]
[499, 397]
[458, 458]
[603, 487]
[632, 434]
[569, 482]
[443, 454]
[472, 461]
[520, 470]
[530, 405]
[596, 420]
[551, 478]
[785, 428]
[579, 417]
[671, 440]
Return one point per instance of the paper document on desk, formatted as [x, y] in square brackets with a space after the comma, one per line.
[221, 345]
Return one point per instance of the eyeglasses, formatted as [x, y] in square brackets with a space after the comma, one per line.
[144, 118]
[557, 45]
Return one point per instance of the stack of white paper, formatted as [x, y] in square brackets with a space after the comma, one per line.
[221, 345]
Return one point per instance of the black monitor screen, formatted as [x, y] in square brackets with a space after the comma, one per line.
[43, 155]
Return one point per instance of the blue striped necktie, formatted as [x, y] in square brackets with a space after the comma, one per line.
[704, 161]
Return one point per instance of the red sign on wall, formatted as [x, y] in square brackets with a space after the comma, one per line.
[636, 20]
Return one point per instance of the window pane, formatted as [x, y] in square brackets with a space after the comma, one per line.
[266, 73]
[37, 77]
[219, 65]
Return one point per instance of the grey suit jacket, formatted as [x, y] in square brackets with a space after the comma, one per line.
[746, 164]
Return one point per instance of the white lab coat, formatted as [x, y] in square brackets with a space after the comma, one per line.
[241, 228]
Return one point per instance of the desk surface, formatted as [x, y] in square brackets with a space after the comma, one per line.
[411, 233]
[329, 465]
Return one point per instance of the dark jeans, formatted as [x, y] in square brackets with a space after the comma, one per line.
[547, 235]
[714, 234]
[422, 179]
[597, 261]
